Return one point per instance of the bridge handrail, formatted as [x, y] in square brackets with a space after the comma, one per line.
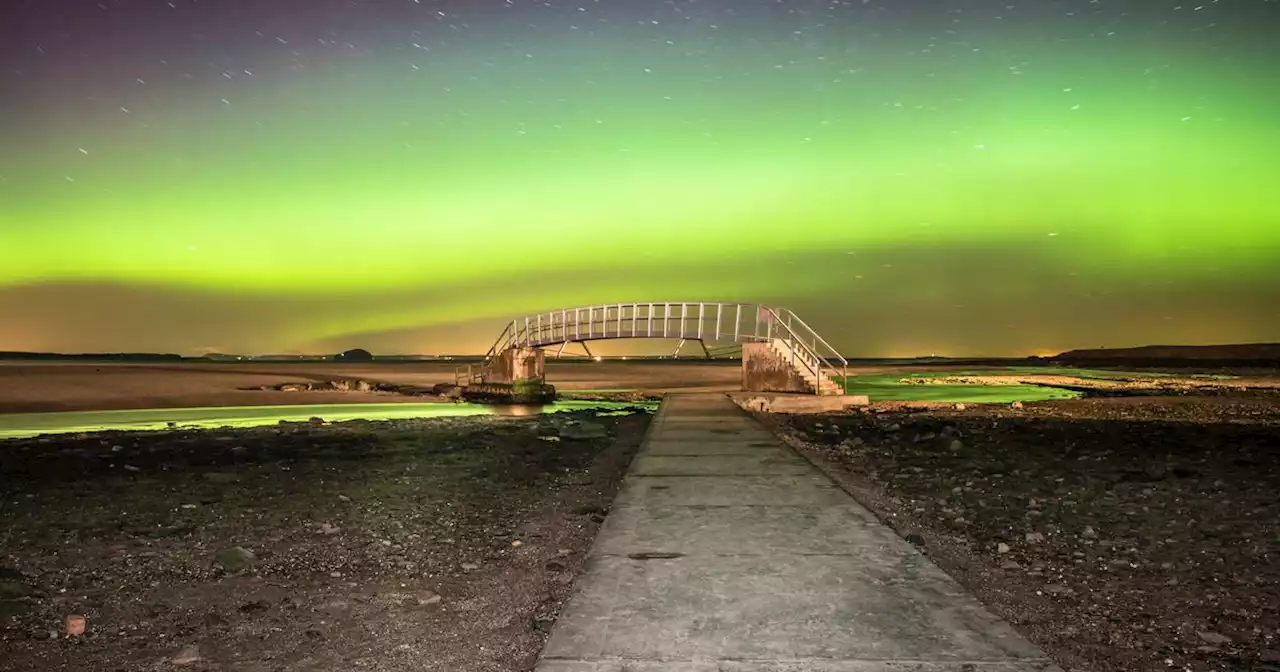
[657, 319]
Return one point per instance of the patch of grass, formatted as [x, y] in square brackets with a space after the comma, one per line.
[888, 387]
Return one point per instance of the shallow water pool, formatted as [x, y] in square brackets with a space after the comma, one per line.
[20, 425]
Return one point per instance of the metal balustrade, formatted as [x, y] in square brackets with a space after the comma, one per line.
[700, 321]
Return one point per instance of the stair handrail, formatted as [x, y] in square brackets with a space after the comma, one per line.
[810, 355]
[469, 372]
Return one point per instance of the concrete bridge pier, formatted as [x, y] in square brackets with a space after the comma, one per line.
[764, 370]
[517, 365]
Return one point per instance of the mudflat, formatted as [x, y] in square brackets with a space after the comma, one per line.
[33, 387]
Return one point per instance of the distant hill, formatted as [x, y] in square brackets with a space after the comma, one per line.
[355, 355]
[1252, 354]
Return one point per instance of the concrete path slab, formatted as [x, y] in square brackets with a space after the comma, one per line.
[806, 489]
[724, 555]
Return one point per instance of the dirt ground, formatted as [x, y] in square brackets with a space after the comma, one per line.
[1120, 534]
[33, 387]
[441, 544]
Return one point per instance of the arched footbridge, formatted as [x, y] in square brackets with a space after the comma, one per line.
[775, 341]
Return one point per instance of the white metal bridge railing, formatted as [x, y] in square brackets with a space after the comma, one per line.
[703, 321]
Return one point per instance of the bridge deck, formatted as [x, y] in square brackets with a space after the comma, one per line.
[725, 550]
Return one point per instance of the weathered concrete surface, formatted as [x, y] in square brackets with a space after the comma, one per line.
[764, 371]
[728, 552]
[798, 403]
[517, 365]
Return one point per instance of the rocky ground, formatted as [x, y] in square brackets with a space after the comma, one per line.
[442, 544]
[1136, 533]
[1119, 383]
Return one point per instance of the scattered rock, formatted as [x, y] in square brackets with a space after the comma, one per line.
[327, 529]
[584, 431]
[955, 446]
[1089, 533]
[447, 390]
[315, 420]
[1213, 638]
[1034, 537]
[960, 407]
[1002, 548]
[75, 625]
[1016, 404]
[469, 566]
[188, 655]
[236, 558]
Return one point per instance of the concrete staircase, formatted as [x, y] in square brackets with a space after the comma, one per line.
[807, 366]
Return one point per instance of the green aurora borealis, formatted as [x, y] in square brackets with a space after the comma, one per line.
[909, 183]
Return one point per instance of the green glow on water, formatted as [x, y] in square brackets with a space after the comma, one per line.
[21, 425]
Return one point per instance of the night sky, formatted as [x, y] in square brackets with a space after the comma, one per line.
[912, 177]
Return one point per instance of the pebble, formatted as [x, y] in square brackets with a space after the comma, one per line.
[236, 558]
[1002, 548]
[75, 625]
[1214, 638]
[187, 656]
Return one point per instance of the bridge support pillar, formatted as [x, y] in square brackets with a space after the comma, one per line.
[764, 370]
[517, 365]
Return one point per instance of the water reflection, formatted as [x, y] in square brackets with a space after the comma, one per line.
[518, 410]
[19, 425]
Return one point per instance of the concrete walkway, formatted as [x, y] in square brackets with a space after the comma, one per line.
[727, 551]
